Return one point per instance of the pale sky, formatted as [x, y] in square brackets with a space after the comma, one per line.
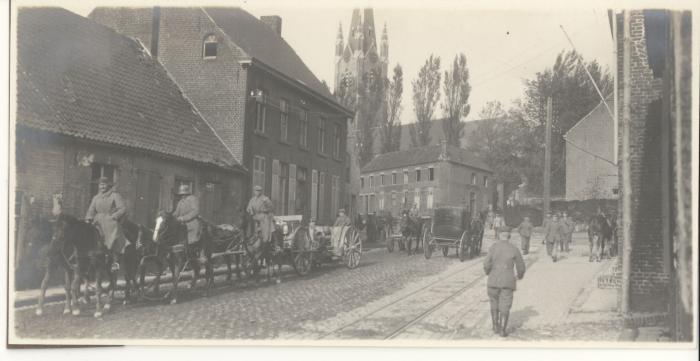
[502, 46]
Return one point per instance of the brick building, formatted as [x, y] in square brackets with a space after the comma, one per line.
[93, 103]
[655, 275]
[278, 119]
[432, 176]
[591, 171]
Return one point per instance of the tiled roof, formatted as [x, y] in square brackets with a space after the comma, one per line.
[436, 134]
[259, 41]
[79, 78]
[422, 155]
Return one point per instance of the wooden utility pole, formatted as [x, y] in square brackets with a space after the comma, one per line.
[547, 157]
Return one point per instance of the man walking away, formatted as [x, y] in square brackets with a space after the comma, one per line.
[570, 228]
[525, 231]
[498, 265]
[552, 236]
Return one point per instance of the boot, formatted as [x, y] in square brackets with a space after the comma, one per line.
[503, 324]
[495, 321]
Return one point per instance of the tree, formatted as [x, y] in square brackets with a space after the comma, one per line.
[391, 128]
[456, 104]
[492, 110]
[573, 96]
[426, 94]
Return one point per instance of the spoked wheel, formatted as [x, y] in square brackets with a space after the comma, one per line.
[353, 248]
[445, 251]
[464, 249]
[428, 245]
[149, 289]
[302, 262]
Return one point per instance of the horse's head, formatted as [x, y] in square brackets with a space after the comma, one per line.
[165, 225]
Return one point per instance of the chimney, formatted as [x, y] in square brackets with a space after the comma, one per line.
[443, 150]
[274, 22]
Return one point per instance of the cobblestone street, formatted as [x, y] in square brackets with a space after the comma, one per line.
[390, 296]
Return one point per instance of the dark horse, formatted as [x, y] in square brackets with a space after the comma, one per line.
[598, 229]
[77, 248]
[128, 261]
[169, 246]
[260, 254]
[410, 230]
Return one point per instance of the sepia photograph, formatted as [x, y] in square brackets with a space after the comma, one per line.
[353, 174]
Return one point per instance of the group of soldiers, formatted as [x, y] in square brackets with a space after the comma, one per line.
[107, 210]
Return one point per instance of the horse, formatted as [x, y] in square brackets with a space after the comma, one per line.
[128, 261]
[169, 244]
[260, 254]
[77, 248]
[598, 228]
[225, 238]
[410, 230]
[610, 237]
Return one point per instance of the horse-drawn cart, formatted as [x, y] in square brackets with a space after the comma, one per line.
[450, 228]
[307, 247]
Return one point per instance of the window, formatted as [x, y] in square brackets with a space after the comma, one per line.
[259, 171]
[284, 188]
[430, 198]
[301, 196]
[284, 119]
[416, 197]
[322, 136]
[99, 171]
[472, 202]
[418, 175]
[393, 178]
[486, 181]
[304, 128]
[405, 176]
[473, 178]
[372, 203]
[431, 174]
[210, 47]
[381, 201]
[405, 197]
[371, 181]
[381, 177]
[260, 116]
[362, 182]
[336, 141]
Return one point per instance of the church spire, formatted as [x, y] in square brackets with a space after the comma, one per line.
[339, 41]
[384, 52]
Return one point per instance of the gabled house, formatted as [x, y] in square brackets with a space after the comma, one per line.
[279, 120]
[93, 103]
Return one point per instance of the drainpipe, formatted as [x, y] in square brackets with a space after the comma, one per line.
[625, 171]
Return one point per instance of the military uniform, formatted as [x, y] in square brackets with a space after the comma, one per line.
[501, 265]
[525, 231]
[260, 207]
[569, 227]
[187, 211]
[338, 233]
[106, 210]
[554, 234]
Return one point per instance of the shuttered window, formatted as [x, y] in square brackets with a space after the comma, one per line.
[314, 193]
[259, 171]
[292, 189]
[276, 185]
[322, 207]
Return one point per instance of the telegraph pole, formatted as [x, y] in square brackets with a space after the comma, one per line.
[547, 156]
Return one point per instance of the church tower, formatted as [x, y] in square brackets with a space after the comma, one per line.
[360, 65]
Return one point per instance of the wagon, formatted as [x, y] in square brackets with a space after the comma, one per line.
[307, 247]
[449, 228]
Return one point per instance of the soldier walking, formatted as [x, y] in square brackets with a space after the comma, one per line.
[499, 265]
[525, 231]
[569, 228]
[553, 236]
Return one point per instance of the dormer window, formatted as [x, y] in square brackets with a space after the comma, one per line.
[210, 47]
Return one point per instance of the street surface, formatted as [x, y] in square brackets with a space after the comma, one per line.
[389, 296]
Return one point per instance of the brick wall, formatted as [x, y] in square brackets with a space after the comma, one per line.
[648, 279]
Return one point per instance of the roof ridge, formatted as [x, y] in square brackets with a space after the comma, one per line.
[191, 104]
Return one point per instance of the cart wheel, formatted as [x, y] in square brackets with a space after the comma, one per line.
[353, 248]
[427, 245]
[464, 248]
[445, 251]
[302, 262]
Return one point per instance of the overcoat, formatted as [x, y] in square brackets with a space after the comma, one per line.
[187, 210]
[499, 265]
[260, 208]
[106, 210]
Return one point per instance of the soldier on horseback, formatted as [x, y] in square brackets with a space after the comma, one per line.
[260, 208]
[106, 211]
[187, 212]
